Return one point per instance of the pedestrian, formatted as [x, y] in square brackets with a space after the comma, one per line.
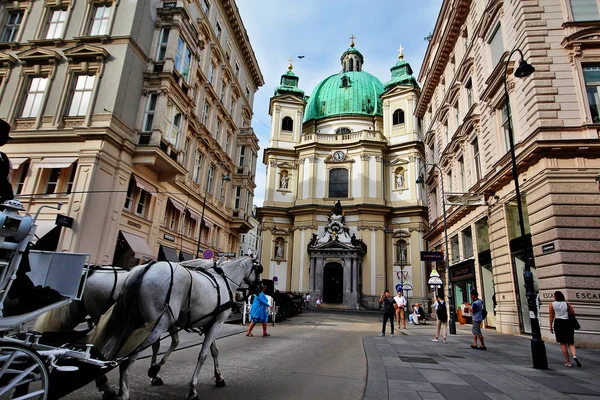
[307, 300]
[6, 191]
[400, 304]
[388, 311]
[562, 328]
[319, 302]
[258, 312]
[441, 311]
[418, 313]
[476, 308]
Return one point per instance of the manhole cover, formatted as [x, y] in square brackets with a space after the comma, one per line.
[454, 356]
[422, 360]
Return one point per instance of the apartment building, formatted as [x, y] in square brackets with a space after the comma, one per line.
[554, 114]
[135, 115]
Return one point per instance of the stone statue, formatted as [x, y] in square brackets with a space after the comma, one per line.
[400, 179]
[278, 249]
[337, 208]
[283, 182]
[401, 253]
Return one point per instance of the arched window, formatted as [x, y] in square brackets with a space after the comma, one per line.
[287, 124]
[401, 251]
[398, 117]
[351, 65]
[342, 131]
[338, 182]
[345, 81]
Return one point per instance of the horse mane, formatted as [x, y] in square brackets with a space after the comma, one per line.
[126, 315]
[58, 319]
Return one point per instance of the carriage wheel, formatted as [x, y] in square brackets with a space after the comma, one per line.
[23, 374]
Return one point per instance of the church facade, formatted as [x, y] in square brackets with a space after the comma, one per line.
[343, 218]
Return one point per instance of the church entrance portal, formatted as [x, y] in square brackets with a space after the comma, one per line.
[333, 283]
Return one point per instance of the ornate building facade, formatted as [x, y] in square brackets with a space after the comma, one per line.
[354, 143]
[136, 115]
[554, 114]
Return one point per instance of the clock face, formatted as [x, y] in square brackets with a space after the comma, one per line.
[339, 156]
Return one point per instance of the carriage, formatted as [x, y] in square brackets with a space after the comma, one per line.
[35, 366]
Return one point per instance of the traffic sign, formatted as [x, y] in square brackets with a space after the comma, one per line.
[207, 254]
[399, 287]
[225, 254]
[275, 279]
[432, 256]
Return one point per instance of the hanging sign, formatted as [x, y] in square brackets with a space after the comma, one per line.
[432, 256]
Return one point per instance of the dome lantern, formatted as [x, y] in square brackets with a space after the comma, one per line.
[352, 60]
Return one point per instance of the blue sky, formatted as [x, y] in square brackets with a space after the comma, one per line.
[320, 31]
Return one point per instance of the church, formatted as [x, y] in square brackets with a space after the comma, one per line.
[343, 217]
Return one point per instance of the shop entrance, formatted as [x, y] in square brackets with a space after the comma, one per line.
[333, 283]
[518, 259]
[462, 277]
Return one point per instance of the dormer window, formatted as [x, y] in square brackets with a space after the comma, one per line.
[345, 80]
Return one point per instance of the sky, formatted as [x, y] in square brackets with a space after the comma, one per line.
[320, 31]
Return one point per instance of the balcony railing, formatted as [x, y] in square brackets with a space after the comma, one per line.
[344, 138]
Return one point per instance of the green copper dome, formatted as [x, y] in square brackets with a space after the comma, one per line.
[346, 93]
[401, 75]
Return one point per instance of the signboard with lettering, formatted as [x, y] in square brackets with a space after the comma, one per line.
[225, 254]
[169, 237]
[463, 272]
[63, 220]
[548, 247]
[432, 256]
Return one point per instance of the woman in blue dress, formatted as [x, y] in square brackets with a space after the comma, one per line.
[258, 312]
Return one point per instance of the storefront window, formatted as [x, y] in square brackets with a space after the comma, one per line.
[467, 241]
[512, 219]
[455, 249]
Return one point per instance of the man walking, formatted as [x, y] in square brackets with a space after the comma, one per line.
[400, 304]
[442, 318]
[388, 311]
[476, 308]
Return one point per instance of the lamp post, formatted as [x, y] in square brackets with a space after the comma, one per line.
[452, 321]
[538, 349]
[226, 178]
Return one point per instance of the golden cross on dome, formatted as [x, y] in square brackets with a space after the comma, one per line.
[352, 40]
[290, 67]
[400, 52]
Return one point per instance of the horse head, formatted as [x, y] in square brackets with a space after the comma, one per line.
[252, 279]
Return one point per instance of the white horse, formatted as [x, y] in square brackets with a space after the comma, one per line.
[167, 296]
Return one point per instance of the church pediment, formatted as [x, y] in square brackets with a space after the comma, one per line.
[38, 54]
[333, 245]
[85, 52]
[398, 90]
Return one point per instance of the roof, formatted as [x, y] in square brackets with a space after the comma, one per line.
[401, 75]
[289, 85]
[358, 94]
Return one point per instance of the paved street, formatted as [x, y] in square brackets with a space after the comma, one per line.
[323, 355]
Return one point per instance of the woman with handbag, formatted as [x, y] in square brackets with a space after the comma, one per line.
[563, 327]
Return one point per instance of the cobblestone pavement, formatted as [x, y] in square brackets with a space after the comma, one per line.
[411, 366]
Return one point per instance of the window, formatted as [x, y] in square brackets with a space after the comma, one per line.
[52, 183]
[287, 124]
[584, 10]
[191, 226]
[206, 7]
[345, 81]
[469, 87]
[351, 65]
[455, 249]
[71, 180]
[172, 125]
[186, 150]
[218, 30]
[129, 196]
[163, 40]
[82, 95]
[22, 177]
[211, 179]
[496, 45]
[205, 114]
[149, 113]
[211, 73]
[33, 97]
[172, 216]
[238, 195]
[222, 191]
[467, 242]
[228, 51]
[338, 182]
[457, 113]
[342, 131]
[242, 154]
[100, 20]
[218, 130]
[143, 202]
[197, 175]
[461, 165]
[591, 75]
[247, 92]
[477, 159]
[237, 69]
[505, 126]
[232, 107]
[13, 22]
[183, 59]
[56, 24]
[398, 117]
[223, 87]
[243, 238]
[227, 142]
[434, 205]
[449, 176]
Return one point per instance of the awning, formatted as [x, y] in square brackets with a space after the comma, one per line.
[145, 185]
[167, 254]
[55, 162]
[194, 215]
[43, 227]
[186, 256]
[17, 161]
[178, 205]
[139, 246]
[208, 223]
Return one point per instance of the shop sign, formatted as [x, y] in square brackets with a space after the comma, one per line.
[546, 248]
[225, 254]
[432, 256]
[169, 238]
[466, 271]
[580, 295]
[134, 224]
[63, 220]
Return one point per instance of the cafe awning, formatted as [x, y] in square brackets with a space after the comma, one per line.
[139, 246]
[145, 185]
[168, 254]
[17, 161]
[55, 162]
[186, 256]
[194, 215]
[178, 205]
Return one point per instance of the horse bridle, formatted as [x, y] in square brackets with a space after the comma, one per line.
[257, 268]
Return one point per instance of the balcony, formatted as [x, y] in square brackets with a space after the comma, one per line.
[240, 222]
[344, 138]
[159, 156]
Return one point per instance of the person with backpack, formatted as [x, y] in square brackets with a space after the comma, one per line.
[479, 314]
[441, 311]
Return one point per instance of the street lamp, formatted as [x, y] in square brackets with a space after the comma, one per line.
[538, 349]
[452, 321]
[226, 178]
